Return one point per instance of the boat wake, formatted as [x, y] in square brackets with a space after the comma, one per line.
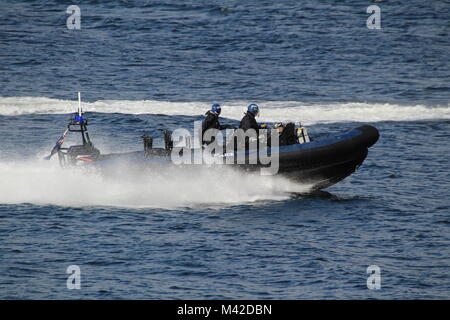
[272, 111]
[46, 183]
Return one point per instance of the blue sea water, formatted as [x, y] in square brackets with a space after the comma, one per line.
[143, 66]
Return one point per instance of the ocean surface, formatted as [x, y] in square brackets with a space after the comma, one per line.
[146, 66]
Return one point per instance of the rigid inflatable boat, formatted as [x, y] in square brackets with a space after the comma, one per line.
[320, 162]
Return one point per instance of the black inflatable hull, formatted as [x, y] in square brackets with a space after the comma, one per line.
[320, 163]
[328, 163]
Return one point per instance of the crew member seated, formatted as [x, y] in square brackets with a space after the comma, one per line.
[286, 133]
[211, 121]
[249, 121]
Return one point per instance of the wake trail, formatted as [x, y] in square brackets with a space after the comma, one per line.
[271, 111]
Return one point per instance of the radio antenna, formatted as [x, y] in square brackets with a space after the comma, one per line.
[79, 104]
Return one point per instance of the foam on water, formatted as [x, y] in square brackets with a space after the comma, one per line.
[270, 110]
[45, 182]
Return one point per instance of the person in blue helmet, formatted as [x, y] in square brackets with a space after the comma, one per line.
[211, 121]
[249, 121]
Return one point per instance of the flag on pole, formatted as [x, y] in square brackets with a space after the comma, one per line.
[58, 145]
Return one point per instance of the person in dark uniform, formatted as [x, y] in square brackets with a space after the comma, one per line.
[211, 121]
[249, 121]
[286, 133]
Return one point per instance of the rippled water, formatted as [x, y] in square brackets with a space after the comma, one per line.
[207, 50]
[147, 65]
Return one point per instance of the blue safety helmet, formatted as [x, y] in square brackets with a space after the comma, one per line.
[216, 108]
[79, 119]
[253, 109]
